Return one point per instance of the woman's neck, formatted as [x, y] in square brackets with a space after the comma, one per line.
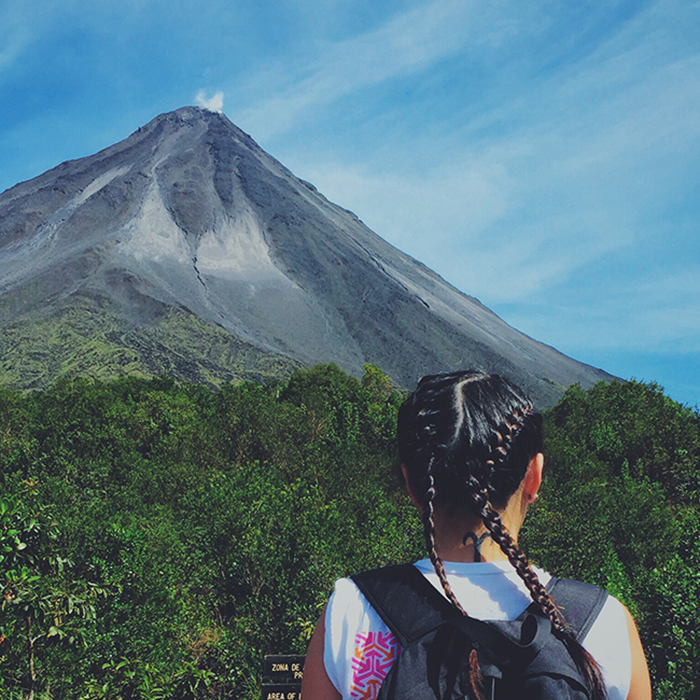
[464, 539]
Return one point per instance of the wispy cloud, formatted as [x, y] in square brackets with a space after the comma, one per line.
[15, 34]
[11, 50]
[554, 173]
[406, 44]
[215, 103]
[655, 312]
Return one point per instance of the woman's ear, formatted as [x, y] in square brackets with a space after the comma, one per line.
[409, 488]
[533, 477]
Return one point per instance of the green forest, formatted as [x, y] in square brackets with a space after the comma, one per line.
[157, 538]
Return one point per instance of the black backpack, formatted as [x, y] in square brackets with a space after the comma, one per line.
[520, 659]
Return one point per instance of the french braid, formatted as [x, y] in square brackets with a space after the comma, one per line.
[499, 533]
[425, 433]
[429, 531]
[504, 438]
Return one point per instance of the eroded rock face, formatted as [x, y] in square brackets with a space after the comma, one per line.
[188, 216]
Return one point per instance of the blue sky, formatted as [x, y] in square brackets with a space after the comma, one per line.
[543, 157]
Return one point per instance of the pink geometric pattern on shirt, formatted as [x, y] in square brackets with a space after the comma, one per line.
[375, 653]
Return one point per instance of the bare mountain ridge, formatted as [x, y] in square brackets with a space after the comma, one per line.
[186, 248]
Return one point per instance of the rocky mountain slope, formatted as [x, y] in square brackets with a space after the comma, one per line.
[187, 249]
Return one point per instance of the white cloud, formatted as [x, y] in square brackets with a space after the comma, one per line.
[626, 317]
[581, 162]
[213, 104]
[16, 33]
[11, 51]
[406, 44]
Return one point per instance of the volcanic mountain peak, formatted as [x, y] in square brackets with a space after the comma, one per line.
[189, 216]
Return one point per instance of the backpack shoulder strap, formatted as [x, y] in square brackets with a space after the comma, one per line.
[406, 601]
[579, 602]
[410, 606]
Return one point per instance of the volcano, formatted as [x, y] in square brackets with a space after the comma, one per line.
[188, 250]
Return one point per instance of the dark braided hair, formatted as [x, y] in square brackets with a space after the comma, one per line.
[466, 439]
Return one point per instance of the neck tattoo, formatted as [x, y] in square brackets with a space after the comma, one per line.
[478, 541]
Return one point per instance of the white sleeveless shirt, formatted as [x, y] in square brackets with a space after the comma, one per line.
[359, 648]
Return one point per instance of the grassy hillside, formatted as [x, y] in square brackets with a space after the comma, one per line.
[85, 340]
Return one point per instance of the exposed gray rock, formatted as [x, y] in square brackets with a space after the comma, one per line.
[189, 214]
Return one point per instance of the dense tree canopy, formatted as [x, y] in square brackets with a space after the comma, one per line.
[157, 539]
